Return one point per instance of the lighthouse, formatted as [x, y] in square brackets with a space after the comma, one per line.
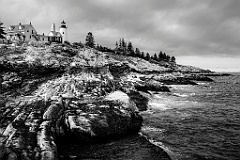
[63, 31]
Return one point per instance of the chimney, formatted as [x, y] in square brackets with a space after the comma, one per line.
[53, 27]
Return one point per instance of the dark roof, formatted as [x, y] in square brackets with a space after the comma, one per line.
[63, 24]
[15, 28]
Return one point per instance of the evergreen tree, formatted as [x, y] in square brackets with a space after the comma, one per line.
[130, 49]
[120, 48]
[124, 46]
[142, 55]
[155, 57]
[173, 59]
[101, 48]
[168, 58]
[137, 52]
[123, 43]
[147, 56]
[97, 46]
[164, 56]
[2, 32]
[129, 46]
[160, 56]
[120, 43]
[90, 40]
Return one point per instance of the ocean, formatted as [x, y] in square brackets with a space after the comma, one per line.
[199, 122]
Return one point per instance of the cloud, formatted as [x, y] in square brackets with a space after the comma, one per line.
[178, 27]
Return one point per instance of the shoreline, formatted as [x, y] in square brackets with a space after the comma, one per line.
[87, 95]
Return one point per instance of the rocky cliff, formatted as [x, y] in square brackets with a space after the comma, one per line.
[55, 94]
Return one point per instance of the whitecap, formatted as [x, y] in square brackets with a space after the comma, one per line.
[157, 106]
[149, 111]
[201, 83]
[151, 129]
[180, 95]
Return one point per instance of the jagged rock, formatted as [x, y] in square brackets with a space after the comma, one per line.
[198, 77]
[215, 74]
[178, 80]
[51, 113]
[189, 69]
[10, 80]
[113, 116]
[119, 69]
[85, 96]
[139, 99]
[19, 136]
[171, 79]
[46, 141]
[151, 85]
[32, 133]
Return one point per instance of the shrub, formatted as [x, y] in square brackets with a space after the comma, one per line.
[67, 43]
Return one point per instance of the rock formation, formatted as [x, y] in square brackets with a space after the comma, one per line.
[55, 93]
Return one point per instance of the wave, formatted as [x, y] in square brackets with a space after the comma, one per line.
[151, 129]
[157, 106]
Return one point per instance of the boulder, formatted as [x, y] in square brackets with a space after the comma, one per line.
[102, 120]
[119, 69]
[139, 99]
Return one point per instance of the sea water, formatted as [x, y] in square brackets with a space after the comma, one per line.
[197, 122]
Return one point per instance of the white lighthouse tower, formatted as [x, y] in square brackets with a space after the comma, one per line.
[63, 31]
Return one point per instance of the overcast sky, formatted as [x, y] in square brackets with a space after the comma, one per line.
[182, 28]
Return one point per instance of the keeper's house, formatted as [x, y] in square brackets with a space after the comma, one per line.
[27, 33]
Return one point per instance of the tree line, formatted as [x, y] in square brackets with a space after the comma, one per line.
[126, 48]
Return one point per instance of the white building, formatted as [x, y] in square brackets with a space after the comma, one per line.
[21, 32]
[27, 33]
[63, 31]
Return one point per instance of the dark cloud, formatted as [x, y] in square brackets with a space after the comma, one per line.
[179, 27]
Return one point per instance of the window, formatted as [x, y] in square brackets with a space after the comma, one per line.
[63, 32]
[27, 30]
[30, 36]
[43, 39]
[32, 31]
